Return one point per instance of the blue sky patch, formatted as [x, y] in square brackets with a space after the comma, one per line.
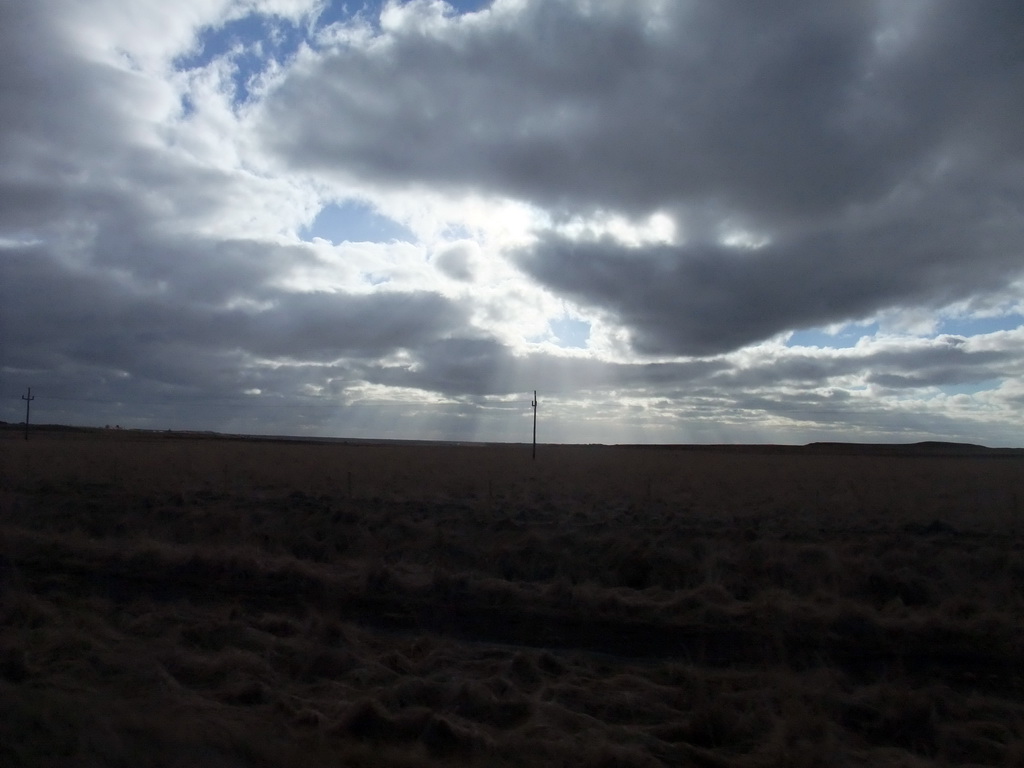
[571, 333]
[849, 335]
[846, 337]
[355, 222]
[970, 387]
[460, 6]
[336, 12]
[973, 326]
[255, 40]
[252, 43]
[468, 6]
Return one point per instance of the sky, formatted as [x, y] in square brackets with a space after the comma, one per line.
[679, 221]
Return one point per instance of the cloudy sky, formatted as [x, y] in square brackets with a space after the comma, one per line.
[679, 220]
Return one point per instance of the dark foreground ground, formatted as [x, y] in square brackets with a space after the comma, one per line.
[172, 602]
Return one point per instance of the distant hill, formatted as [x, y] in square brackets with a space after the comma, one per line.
[925, 448]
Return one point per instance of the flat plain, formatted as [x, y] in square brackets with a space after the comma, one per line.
[172, 600]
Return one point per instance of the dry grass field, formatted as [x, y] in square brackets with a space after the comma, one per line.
[177, 601]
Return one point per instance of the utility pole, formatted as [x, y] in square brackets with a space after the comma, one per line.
[534, 404]
[28, 404]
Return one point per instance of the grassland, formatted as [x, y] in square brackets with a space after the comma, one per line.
[171, 601]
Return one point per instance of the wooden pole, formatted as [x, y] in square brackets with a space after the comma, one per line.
[534, 404]
[28, 404]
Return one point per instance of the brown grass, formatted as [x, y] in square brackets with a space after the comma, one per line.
[168, 601]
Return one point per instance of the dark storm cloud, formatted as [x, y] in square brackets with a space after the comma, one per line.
[327, 325]
[944, 361]
[61, 120]
[456, 262]
[464, 366]
[707, 299]
[183, 339]
[875, 145]
[795, 107]
[599, 109]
